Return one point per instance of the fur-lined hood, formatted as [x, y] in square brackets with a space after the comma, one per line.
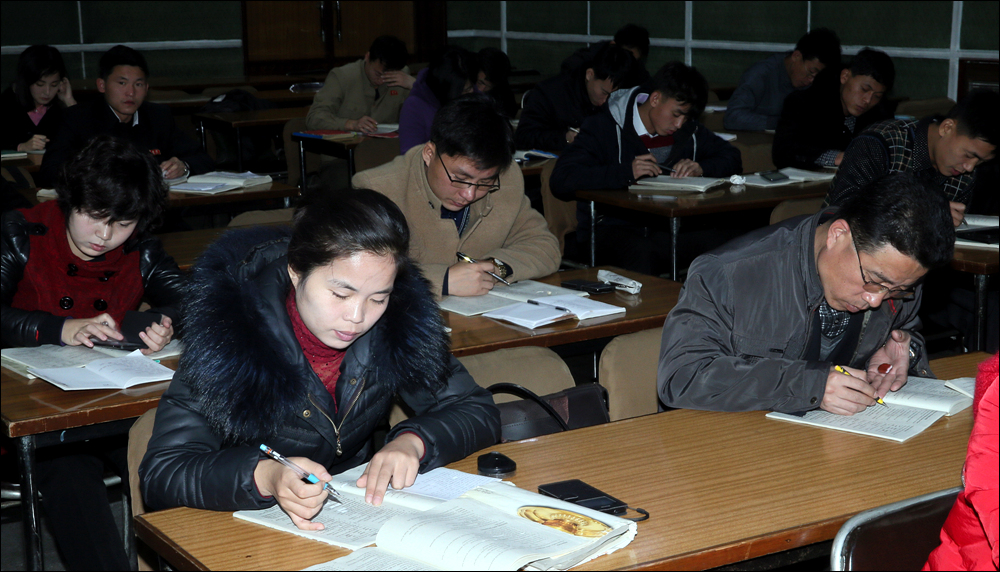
[243, 360]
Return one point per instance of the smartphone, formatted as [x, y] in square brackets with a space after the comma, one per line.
[579, 492]
[774, 176]
[588, 286]
[133, 323]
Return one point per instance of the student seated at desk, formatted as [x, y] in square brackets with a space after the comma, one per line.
[818, 123]
[303, 341]
[32, 108]
[462, 192]
[943, 151]
[555, 109]
[756, 104]
[762, 322]
[124, 112]
[633, 38]
[494, 79]
[71, 268]
[451, 75]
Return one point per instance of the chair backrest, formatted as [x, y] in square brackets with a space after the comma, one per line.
[795, 207]
[628, 371]
[921, 108]
[539, 369]
[252, 218]
[138, 440]
[372, 152]
[292, 152]
[560, 215]
[756, 156]
[898, 536]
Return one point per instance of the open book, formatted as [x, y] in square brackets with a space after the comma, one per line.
[503, 295]
[492, 526]
[794, 176]
[111, 373]
[979, 231]
[542, 311]
[668, 183]
[909, 411]
[220, 182]
[20, 360]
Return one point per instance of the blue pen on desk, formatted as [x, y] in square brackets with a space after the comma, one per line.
[299, 471]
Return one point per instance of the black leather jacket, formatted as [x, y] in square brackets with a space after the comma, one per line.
[164, 284]
[244, 381]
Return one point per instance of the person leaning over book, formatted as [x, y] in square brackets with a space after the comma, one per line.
[818, 123]
[462, 192]
[304, 340]
[762, 321]
[70, 270]
[32, 108]
[450, 75]
[943, 151]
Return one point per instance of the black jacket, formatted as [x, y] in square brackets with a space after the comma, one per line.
[812, 122]
[156, 131]
[163, 282]
[550, 109]
[18, 127]
[244, 381]
[601, 155]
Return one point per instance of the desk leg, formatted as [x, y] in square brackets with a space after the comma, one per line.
[302, 166]
[350, 163]
[675, 230]
[29, 504]
[593, 234]
[239, 151]
[982, 280]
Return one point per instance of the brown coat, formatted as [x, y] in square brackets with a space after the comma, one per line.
[501, 225]
[347, 94]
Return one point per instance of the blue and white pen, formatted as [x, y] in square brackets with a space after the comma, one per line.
[299, 471]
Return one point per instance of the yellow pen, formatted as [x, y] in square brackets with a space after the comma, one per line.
[839, 369]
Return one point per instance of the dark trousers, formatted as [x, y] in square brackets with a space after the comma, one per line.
[75, 501]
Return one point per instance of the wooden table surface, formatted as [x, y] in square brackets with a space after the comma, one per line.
[32, 163]
[254, 193]
[257, 118]
[270, 82]
[976, 260]
[720, 488]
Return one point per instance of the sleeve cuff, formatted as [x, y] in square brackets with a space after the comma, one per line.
[415, 434]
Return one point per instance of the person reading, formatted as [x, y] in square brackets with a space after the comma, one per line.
[124, 112]
[494, 79]
[763, 322]
[449, 76]
[818, 123]
[757, 101]
[633, 38]
[71, 268]
[462, 192]
[33, 106]
[943, 151]
[304, 341]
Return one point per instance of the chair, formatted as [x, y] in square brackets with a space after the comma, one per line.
[897, 536]
[138, 440]
[756, 156]
[372, 152]
[921, 108]
[627, 370]
[795, 207]
[253, 218]
[292, 152]
[560, 215]
[539, 369]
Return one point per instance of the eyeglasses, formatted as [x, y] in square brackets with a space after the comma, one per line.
[478, 187]
[875, 287]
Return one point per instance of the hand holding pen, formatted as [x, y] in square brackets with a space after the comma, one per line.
[287, 482]
[470, 260]
[847, 391]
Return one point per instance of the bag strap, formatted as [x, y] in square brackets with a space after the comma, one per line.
[525, 393]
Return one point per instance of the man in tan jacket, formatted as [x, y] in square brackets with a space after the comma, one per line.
[461, 192]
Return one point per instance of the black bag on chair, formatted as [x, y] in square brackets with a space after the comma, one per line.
[534, 416]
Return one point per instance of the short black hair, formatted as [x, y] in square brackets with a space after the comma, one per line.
[112, 178]
[904, 212]
[976, 115]
[474, 126]
[877, 64]
[633, 36]
[822, 44]
[389, 50]
[33, 64]
[683, 83]
[611, 62]
[121, 56]
[448, 74]
[496, 65]
[328, 226]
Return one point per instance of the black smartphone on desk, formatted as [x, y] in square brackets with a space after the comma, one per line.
[588, 286]
[579, 492]
[132, 324]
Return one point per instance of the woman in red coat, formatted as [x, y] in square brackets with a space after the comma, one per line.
[969, 536]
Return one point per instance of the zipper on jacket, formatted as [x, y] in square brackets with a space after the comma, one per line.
[350, 406]
[861, 336]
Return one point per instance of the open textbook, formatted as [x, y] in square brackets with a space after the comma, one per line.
[668, 183]
[543, 311]
[979, 231]
[219, 182]
[20, 360]
[794, 176]
[492, 526]
[909, 411]
[110, 373]
[503, 295]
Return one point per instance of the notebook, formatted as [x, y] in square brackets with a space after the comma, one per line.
[502, 295]
[668, 183]
[543, 311]
[794, 176]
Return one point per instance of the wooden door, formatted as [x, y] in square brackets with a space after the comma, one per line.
[358, 22]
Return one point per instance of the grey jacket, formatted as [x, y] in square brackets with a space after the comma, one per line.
[737, 338]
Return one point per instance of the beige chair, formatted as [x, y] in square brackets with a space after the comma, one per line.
[292, 152]
[756, 156]
[795, 207]
[372, 152]
[539, 369]
[138, 440]
[628, 371]
[253, 218]
[921, 108]
[561, 215]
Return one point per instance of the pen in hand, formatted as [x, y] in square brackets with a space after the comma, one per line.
[299, 471]
[839, 369]
[471, 260]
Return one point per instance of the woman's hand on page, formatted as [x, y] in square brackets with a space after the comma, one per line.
[397, 463]
[300, 500]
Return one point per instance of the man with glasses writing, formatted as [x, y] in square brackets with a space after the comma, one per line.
[462, 192]
[763, 321]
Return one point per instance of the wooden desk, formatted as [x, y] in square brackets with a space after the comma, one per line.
[254, 193]
[38, 414]
[235, 121]
[32, 163]
[720, 488]
[982, 263]
[533, 167]
[696, 204]
[197, 85]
